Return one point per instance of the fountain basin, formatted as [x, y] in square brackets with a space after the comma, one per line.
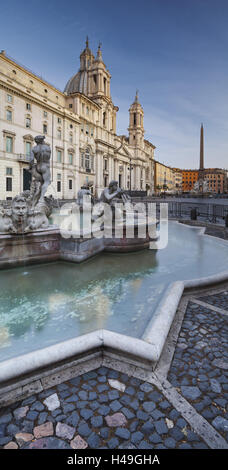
[123, 304]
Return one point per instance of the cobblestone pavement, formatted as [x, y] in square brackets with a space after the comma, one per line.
[106, 408]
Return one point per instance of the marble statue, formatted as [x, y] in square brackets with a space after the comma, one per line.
[30, 210]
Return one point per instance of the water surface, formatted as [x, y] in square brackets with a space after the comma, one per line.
[45, 304]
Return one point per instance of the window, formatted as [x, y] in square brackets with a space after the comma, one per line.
[134, 115]
[105, 85]
[59, 186]
[105, 164]
[59, 120]
[9, 115]
[91, 131]
[44, 128]
[87, 129]
[9, 144]
[105, 181]
[71, 126]
[28, 122]
[9, 171]
[87, 110]
[82, 160]
[83, 108]
[9, 98]
[70, 158]
[28, 148]
[70, 106]
[45, 114]
[70, 184]
[28, 106]
[87, 159]
[59, 156]
[104, 119]
[8, 184]
[71, 138]
[59, 134]
[82, 127]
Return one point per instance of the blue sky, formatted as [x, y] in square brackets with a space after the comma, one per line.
[173, 51]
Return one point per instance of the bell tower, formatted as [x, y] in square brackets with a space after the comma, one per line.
[136, 130]
[99, 78]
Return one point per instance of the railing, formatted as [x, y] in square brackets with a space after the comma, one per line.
[205, 211]
[15, 156]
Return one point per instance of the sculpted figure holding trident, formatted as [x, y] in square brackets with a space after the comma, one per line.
[40, 169]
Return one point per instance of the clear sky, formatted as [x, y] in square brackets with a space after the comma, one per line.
[174, 51]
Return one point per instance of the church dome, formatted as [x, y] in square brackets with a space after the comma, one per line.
[77, 83]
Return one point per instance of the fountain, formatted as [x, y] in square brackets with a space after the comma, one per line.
[26, 235]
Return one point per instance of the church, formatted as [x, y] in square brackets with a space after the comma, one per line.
[79, 124]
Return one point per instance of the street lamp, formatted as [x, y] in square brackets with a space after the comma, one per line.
[130, 168]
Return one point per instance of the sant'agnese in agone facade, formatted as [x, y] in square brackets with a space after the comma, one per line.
[79, 124]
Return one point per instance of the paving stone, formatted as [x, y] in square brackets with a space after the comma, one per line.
[115, 405]
[11, 445]
[123, 433]
[84, 430]
[78, 443]
[72, 399]
[4, 419]
[64, 431]
[48, 443]
[12, 429]
[170, 443]
[116, 384]
[5, 440]
[42, 417]
[76, 381]
[73, 419]
[104, 432]
[220, 423]
[191, 393]
[32, 415]
[117, 419]
[102, 388]
[128, 413]
[96, 421]
[144, 445]
[43, 430]
[28, 401]
[94, 440]
[52, 402]
[86, 413]
[23, 437]
[113, 395]
[67, 408]
[37, 406]
[136, 437]
[145, 387]
[149, 406]
[27, 426]
[92, 396]
[20, 413]
[142, 415]
[161, 426]
[147, 428]
[113, 443]
[156, 414]
[104, 410]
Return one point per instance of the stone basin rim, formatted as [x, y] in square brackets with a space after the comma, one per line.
[148, 348]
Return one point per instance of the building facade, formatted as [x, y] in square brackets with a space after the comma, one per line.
[79, 125]
[164, 178]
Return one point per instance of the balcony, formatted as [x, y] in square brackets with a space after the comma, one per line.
[20, 157]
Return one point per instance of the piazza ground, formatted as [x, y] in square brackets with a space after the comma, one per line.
[181, 405]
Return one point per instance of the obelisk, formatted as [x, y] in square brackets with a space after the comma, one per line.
[201, 149]
[201, 167]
